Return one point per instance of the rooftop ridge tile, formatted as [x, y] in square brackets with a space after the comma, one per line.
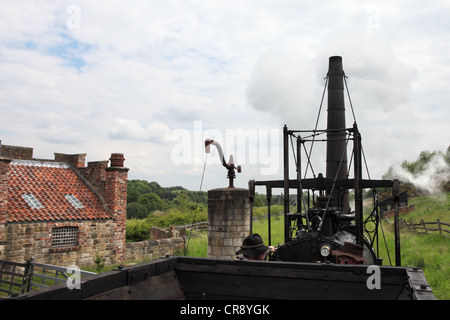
[41, 163]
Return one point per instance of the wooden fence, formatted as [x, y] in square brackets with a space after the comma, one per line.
[16, 278]
[13, 277]
[177, 231]
[427, 227]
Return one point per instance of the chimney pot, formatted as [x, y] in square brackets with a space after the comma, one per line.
[117, 160]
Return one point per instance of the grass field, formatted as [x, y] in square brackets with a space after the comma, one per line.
[430, 252]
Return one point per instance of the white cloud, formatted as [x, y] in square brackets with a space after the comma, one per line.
[285, 87]
[131, 129]
[60, 134]
[137, 71]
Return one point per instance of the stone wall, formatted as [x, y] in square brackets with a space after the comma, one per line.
[21, 241]
[151, 249]
[158, 233]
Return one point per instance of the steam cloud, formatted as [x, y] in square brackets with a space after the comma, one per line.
[430, 178]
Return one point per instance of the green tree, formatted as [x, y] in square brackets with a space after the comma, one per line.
[132, 195]
[139, 187]
[182, 201]
[152, 202]
[260, 200]
[156, 188]
[136, 210]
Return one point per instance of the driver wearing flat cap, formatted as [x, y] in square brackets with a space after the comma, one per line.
[253, 248]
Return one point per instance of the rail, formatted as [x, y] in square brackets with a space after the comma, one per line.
[426, 227]
[16, 278]
[13, 277]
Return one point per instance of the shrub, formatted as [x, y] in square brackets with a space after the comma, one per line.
[137, 230]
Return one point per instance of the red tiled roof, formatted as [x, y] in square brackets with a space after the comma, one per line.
[50, 185]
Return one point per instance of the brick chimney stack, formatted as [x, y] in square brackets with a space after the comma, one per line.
[15, 152]
[76, 160]
[116, 199]
[4, 177]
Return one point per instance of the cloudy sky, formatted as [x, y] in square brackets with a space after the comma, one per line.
[154, 79]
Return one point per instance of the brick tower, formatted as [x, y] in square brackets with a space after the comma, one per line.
[229, 221]
[116, 200]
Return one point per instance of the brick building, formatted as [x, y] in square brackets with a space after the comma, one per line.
[60, 211]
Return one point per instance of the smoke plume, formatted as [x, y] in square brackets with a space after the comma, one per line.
[430, 178]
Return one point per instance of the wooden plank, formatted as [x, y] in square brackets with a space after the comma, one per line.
[421, 288]
[160, 287]
[275, 281]
[209, 285]
[321, 272]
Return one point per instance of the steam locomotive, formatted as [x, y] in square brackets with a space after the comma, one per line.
[324, 228]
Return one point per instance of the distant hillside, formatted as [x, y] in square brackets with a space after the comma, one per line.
[428, 174]
[146, 197]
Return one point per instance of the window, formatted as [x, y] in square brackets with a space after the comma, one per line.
[32, 201]
[64, 236]
[74, 201]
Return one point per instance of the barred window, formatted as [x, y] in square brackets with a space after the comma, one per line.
[64, 236]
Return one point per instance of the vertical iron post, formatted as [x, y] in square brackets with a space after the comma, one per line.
[299, 176]
[287, 222]
[27, 276]
[396, 198]
[251, 196]
[269, 200]
[358, 188]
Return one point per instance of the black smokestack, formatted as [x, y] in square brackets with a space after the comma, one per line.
[336, 135]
